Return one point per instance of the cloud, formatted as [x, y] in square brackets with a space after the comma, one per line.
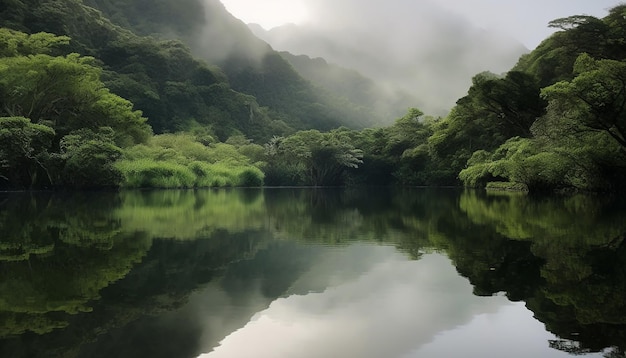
[415, 47]
[527, 20]
[268, 13]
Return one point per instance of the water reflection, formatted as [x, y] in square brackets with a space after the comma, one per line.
[304, 272]
[393, 307]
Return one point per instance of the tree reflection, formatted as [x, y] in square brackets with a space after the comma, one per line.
[129, 257]
[60, 260]
[578, 243]
[75, 267]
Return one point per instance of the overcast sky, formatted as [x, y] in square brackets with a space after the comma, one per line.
[524, 20]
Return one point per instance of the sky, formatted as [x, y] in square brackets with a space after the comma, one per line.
[525, 20]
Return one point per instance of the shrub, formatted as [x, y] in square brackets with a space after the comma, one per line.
[506, 186]
[250, 177]
[148, 173]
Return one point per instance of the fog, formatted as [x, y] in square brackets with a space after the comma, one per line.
[418, 47]
[222, 37]
[421, 53]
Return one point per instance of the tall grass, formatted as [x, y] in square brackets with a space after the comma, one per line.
[178, 161]
[222, 174]
[149, 173]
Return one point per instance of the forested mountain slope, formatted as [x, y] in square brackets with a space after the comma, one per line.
[352, 86]
[169, 85]
[251, 65]
[173, 90]
[162, 79]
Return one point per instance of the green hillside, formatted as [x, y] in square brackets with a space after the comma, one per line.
[251, 65]
[179, 94]
[351, 86]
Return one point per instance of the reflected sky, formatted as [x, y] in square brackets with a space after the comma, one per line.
[379, 304]
[510, 332]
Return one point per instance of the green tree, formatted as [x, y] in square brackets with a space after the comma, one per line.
[313, 158]
[89, 159]
[596, 97]
[24, 152]
[16, 43]
[494, 110]
[67, 93]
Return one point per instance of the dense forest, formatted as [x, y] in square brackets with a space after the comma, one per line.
[180, 94]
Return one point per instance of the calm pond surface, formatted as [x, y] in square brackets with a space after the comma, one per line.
[296, 273]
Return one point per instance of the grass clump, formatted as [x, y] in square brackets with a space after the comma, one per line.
[149, 173]
[177, 161]
[506, 186]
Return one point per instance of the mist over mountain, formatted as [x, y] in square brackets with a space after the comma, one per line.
[404, 46]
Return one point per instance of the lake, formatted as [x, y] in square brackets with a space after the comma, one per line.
[369, 272]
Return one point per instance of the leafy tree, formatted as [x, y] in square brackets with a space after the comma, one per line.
[377, 167]
[586, 120]
[67, 93]
[494, 110]
[61, 125]
[596, 96]
[89, 159]
[24, 152]
[313, 158]
[585, 33]
[16, 43]
[407, 132]
[540, 166]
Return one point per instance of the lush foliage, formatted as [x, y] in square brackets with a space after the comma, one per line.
[181, 161]
[311, 158]
[575, 133]
[59, 124]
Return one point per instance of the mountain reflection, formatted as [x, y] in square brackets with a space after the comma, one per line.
[308, 272]
[395, 306]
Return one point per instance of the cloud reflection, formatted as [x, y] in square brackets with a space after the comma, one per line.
[390, 310]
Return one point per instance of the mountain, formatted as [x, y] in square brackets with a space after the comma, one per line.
[184, 63]
[404, 46]
[251, 65]
[351, 86]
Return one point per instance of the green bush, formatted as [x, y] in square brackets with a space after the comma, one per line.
[506, 186]
[207, 176]
[178, 161]
[250, 177]
[92, 165]
[224, 175]
[148, 173]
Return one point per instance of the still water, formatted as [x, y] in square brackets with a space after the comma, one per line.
[296, 273]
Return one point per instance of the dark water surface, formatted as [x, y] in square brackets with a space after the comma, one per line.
[296, 273]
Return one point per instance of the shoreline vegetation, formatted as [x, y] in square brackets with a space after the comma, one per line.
[506, 186]
[88, 104]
